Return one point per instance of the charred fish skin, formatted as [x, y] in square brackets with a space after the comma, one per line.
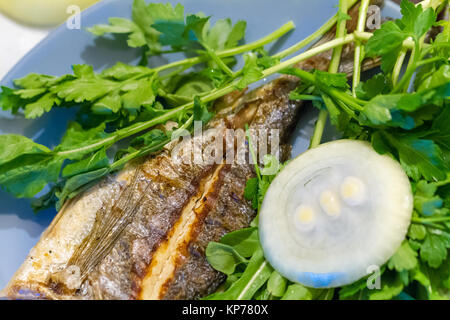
[225, 208]
[168, 188]
[164, 213]
[225, 211]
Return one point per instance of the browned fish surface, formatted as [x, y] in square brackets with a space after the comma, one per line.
[142, 233]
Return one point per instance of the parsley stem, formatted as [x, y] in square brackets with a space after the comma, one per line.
[259, 43]
[308, 97]
[332, 92]
[410, 70]
[319, 32]
[430, 60]
[414, 59]
[347, 98]
[129, 131]
[428, 224]
[347, 109]
[436, 219]
[126, 132]
[359, 56]
[428, 47]
[341, 31]
[233, 51]
[147, 150]
[443, 182]
[318, 129]
[309, 54]
[398, 65]
[117, 165]
[217, 60]
[174, 72]
[365, 36]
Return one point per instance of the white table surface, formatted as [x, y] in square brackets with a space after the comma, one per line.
[17, 40]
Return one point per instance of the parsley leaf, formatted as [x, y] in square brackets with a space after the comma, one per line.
[136, 36]
[201, 112]
[378, 84]
[140, 28]
[440, 130]
[434, 250]
[223, 258]
[12, 146]
[277, 284]
[8, 100]
[252, 72]
[419, 157]
[415, 21]
[426, 201]
[92, 162]
[391, 286]
[387, 41]
[77, 138]
[327, 79]
[251, 191]
[404, 258]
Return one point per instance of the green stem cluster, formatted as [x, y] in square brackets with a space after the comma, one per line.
[338, 42]
[341, 40]
[318, 33]
[233, 51]
[341, 31]
[416, 47]
[211, 96]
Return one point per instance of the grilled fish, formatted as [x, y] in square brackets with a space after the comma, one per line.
[142, 233]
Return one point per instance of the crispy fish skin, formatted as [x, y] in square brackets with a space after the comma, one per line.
[142, 233]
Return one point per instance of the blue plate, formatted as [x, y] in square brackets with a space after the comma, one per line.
[20, 228]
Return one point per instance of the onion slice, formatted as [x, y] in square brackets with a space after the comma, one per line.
[333, 213]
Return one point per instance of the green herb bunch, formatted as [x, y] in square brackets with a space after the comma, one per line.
[403, 114]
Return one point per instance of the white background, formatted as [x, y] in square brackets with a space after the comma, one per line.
[17, 40]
